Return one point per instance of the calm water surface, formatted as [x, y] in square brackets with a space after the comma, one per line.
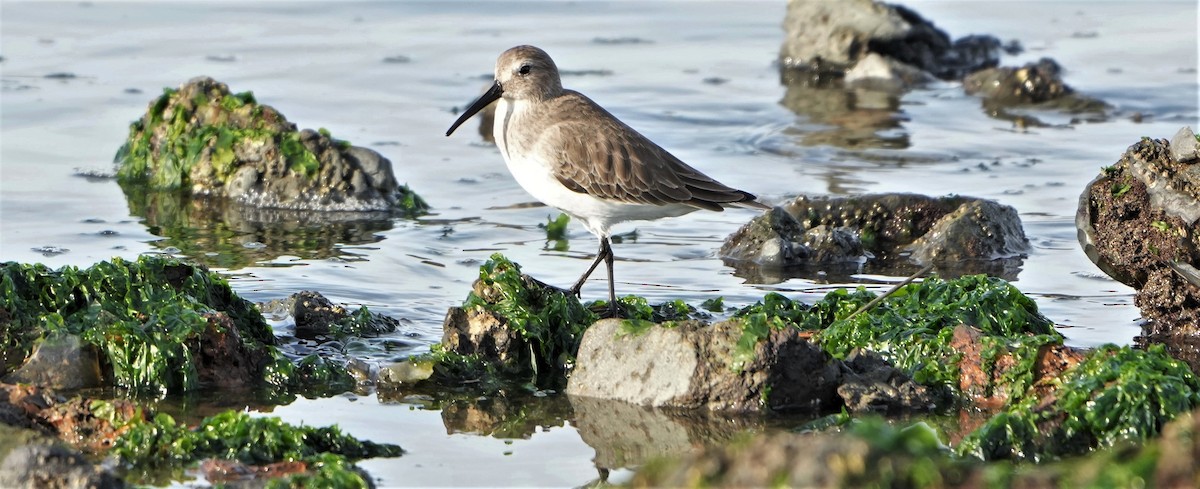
[697, 77]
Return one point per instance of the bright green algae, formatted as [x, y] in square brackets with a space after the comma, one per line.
[913, 326]
[149, 318]
[1116, 394]
[147, 446]
[216, 122]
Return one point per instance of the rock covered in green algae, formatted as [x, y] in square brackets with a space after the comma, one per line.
[205, 140]
[870, 453]
[1116, 394]
[515, 321]
[160, 325]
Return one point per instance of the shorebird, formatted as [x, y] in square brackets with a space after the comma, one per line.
[570, 153]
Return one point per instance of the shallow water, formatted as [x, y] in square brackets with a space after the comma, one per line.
[707, 88]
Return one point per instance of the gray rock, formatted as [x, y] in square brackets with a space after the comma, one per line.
[976, 230]
[692, 365]
[879, 72]
[954, 232]
[48, 465]
[1038, 83]
[60, 362]
[1184, 146]
[833, 36]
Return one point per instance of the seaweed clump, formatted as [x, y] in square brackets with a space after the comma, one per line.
[161, 325]
[150, 445]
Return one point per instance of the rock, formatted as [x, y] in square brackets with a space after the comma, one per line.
[317, 316]
[693, 365]
[49, 465]
[983, 368]
[777, 239]
[976, 230]
[1037, 84]
[478, 331]
[60, 361]
[963, 235]
[1185, 148]
[876, 71]
[206, 140]
[833, 36]
[871, 384]
[1136, 222]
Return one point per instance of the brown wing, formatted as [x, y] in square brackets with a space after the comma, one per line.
[601, 156]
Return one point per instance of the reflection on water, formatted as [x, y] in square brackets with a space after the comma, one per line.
[222, 234]
[862, 118]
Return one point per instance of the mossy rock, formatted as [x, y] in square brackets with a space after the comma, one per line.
[206, 140]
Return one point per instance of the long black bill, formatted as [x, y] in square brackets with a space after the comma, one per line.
[492, 94]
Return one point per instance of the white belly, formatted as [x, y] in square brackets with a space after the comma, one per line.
[534, 172]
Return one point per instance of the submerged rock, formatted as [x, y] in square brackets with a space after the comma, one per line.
[1136, 222]
[205, 140]
[51, 465]
[1036, 85]
[60, 361]
[818, 234]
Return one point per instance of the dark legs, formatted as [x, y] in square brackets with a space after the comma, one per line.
[606, 255]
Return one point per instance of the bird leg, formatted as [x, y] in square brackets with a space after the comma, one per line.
[606, 255]
[600, 256]
[612, 290]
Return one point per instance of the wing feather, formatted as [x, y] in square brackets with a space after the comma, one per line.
[601, 156]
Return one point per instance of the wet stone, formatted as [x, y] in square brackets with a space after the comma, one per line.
[60, 362]
[43, 465]
[966, 234]
[1185, 148]
[690, 365]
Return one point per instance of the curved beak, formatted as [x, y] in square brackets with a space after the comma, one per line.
[483, 101]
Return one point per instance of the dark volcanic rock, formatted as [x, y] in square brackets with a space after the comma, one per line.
[870, 383]
[1037, 84]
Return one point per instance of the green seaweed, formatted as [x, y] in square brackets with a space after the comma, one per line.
[148, 318]
[551, 320]
[1116, 394]
[147, 444]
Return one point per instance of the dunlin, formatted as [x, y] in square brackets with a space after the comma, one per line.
[570, 153]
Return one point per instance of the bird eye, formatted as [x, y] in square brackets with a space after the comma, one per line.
[524, 70]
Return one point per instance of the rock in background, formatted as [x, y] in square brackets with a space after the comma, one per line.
[203, 139]
[959, 235]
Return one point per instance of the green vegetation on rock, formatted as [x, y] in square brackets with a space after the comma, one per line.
[911, 327]
[1117, 394]
[159, 442]
[551, 320]
[162, 326]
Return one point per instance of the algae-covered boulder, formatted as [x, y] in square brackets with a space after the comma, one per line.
[205, 140]
[155, 449]
[152, 326]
